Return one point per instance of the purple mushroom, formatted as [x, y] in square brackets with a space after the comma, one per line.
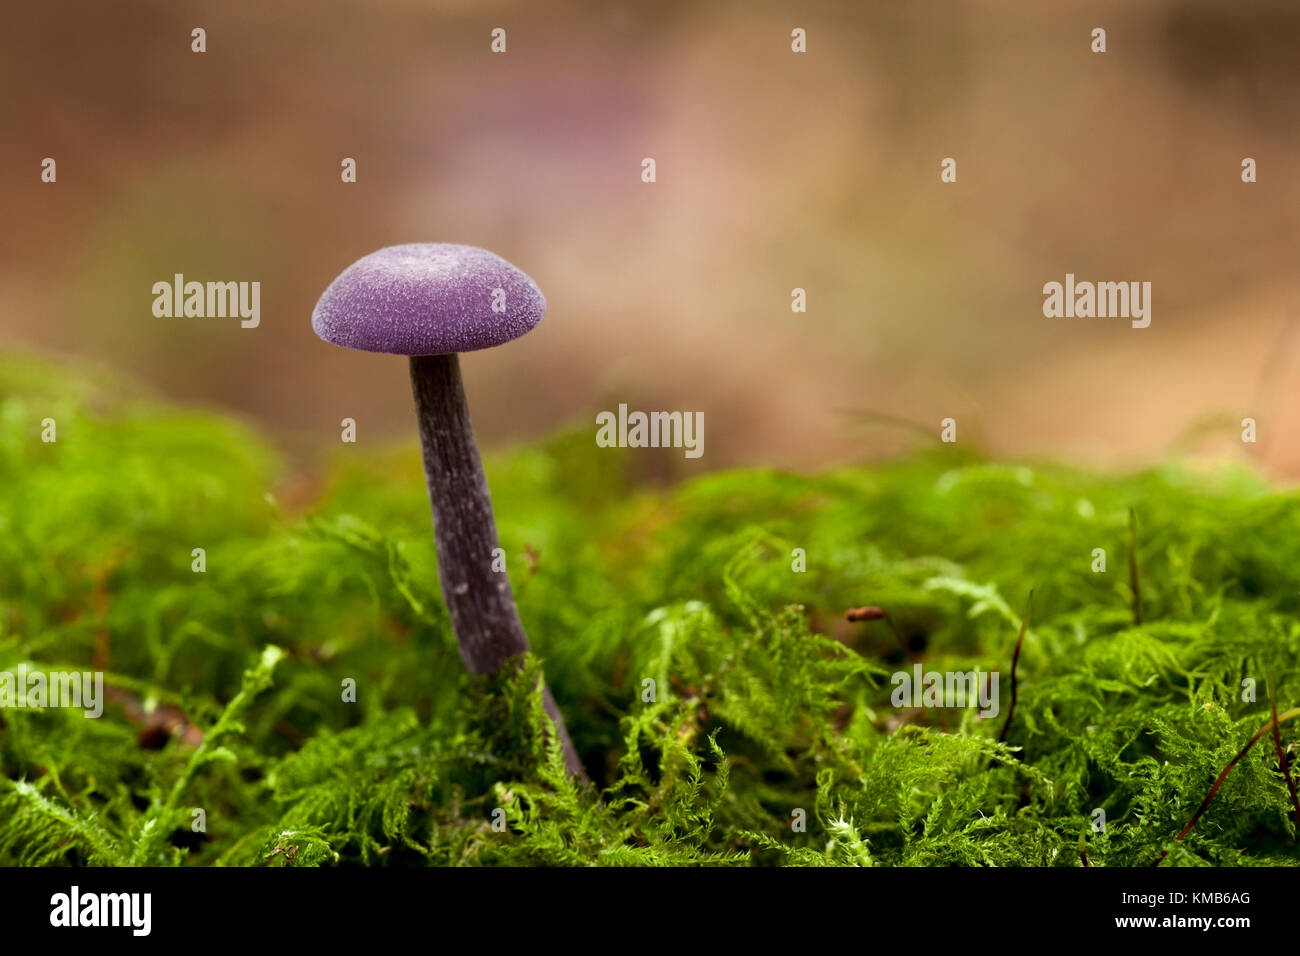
[430, 301]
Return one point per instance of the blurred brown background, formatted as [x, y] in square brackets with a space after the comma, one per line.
[775, 170]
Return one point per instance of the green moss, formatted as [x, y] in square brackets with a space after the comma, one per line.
[767, 702]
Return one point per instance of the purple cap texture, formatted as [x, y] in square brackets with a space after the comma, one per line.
[428, 298]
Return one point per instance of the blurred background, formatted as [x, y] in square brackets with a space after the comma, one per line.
[775, 170]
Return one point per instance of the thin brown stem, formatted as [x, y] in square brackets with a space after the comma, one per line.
[878, 614]
[1135, 584]
[1281, 756]
[479, 599]
[1015, 665]
[1223, 775]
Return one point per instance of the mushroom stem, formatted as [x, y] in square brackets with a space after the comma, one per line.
[479, 600]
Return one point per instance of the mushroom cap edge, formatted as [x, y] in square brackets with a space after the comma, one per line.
[429, 298]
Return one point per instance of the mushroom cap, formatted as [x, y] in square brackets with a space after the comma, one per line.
[428, 298]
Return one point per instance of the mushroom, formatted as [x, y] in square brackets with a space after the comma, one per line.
[430, 301]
